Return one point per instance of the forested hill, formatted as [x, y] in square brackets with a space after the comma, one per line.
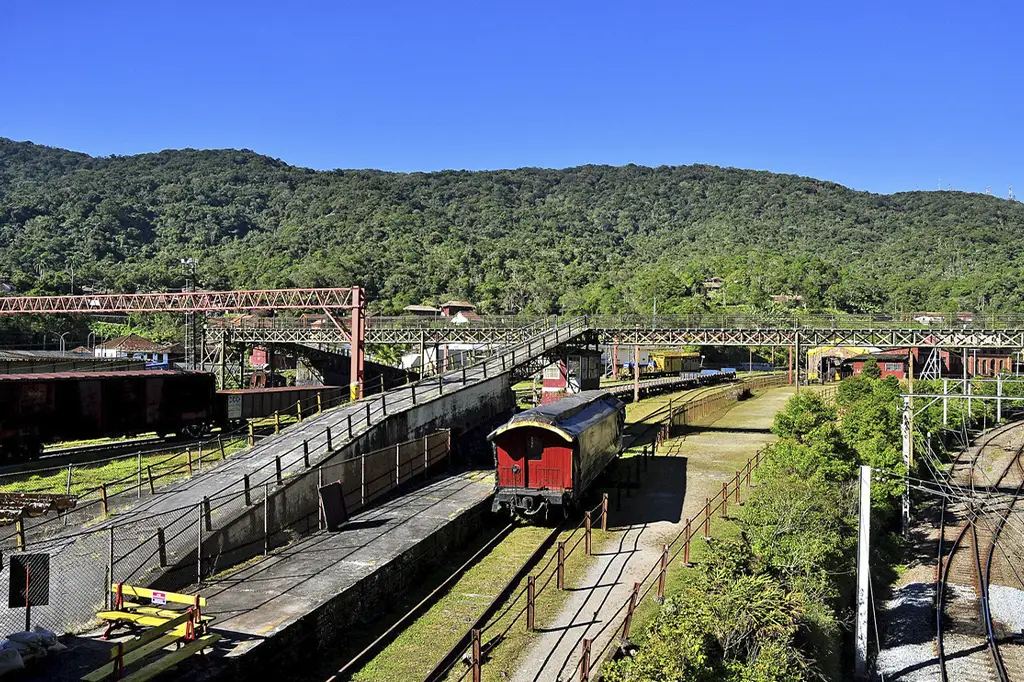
[592, 238]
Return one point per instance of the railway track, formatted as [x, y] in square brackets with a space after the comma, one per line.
[60, 458]
[977, 514]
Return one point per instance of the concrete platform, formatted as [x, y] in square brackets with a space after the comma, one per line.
[301, 599]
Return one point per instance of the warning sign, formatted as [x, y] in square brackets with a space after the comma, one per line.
[159, 598]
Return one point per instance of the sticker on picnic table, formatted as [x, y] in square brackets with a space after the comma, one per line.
[159, 598]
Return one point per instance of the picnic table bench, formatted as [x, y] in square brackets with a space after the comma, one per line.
[164, 627]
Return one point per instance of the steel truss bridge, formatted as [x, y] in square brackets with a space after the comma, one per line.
[727, 332]
[339, 318]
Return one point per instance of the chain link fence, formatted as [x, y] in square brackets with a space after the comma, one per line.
[260, 502]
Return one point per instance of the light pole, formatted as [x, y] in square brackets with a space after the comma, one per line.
[62, 340]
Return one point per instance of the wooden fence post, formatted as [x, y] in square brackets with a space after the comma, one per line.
[161, 543]
[561, 566]
[188, 458]
[103, 498]
[585, 661]
[207, 514]
[707, 518]
[220, 444]
[152, 488]
[531, 595]
[19, 529]
[604, 511]
[737, 498]
[629, 611]
[476, 662]
[587, 542]
[661, 575]
[319, 403]
[725, 499]
[686, 544]
[277, 422]
[252, 435]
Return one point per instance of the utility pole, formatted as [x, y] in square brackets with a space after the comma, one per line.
[907, 434]
[863, 564]
[797, 363]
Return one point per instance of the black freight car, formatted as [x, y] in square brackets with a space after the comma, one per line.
[49, 408]
[548, 456]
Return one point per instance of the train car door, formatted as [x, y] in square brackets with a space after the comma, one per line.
[546, 462]
[511, 462]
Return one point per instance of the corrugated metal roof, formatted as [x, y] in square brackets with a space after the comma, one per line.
[47, 376]
[134, 342]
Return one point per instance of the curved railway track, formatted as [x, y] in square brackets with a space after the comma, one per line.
[969, 640]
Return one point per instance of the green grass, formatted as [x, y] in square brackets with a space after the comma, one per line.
[414, 652]
[120, 474]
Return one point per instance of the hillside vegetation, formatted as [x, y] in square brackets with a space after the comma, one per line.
[587, 239]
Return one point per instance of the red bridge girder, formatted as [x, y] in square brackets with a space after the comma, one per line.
[187, 302]
[329, 300]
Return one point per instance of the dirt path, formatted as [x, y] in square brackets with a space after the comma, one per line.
[673, 488]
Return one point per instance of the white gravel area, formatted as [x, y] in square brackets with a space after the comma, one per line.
[1007, 604]
[909, 645]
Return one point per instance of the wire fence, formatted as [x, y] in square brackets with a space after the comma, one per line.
[186, 546]
[255, 500]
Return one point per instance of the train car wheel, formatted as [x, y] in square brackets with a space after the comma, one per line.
[194, 430]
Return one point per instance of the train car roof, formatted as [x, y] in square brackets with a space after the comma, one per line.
[55, 376]
[568, 417]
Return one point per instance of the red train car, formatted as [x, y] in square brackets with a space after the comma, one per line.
[548, 456]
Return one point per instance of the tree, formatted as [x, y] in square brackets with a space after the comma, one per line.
[871, 369]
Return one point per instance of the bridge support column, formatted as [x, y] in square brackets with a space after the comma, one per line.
[357, 344]
[636, 373]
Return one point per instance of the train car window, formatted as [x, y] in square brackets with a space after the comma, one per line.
[534, 447]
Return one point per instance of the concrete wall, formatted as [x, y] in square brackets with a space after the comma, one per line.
[322, 628]
[238, 534]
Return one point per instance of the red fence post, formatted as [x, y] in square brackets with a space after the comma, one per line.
[476, 656]
[585, 661]
[588, 533]
[531, 594]
[629, 612]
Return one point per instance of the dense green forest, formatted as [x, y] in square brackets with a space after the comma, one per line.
[587, 239]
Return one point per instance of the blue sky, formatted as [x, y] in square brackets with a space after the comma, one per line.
[882, 96]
